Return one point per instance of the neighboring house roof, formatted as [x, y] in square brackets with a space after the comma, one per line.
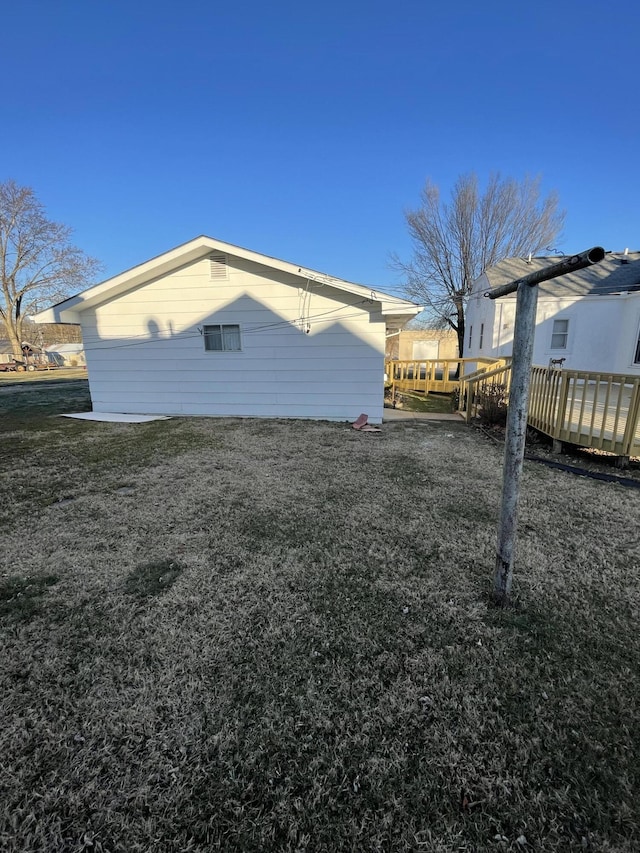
[5, 345]
[617, 273]
[64, 349]
[201, 247]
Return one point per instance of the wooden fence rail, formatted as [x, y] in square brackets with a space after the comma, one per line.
[599, 410]
[431, 374]
[475, 384]
[589, 409]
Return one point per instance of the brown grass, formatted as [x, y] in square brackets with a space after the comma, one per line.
[28, 377]
[277, 636]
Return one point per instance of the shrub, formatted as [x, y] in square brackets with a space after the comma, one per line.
[492, 399]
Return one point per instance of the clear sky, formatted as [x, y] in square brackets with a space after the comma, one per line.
[304, 130]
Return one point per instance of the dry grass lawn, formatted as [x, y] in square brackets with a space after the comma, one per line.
[53, 375]
[276, 636]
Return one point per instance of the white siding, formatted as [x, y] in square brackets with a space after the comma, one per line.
[600, 334]
[625, 337]
[145, 353]
[602, 330]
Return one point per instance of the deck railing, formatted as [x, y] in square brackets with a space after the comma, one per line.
[586, 408]
[430, 374]
[589, 409]
[474, 386]
[599, 410]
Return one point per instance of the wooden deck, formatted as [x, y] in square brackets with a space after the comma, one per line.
[588, 409]
[437, 375]
[584, 408]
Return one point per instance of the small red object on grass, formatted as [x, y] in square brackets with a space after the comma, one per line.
[361, 424]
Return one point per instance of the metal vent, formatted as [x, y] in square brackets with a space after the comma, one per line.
[218, 267]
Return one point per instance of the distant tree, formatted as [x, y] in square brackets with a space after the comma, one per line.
[424, 321]
[454, 243]
[45, 334]
[38, 263]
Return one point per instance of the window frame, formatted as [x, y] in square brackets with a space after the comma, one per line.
[636, 357]
[208, 330]
[565, 334]
[481, 341]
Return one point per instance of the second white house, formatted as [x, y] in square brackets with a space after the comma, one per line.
[586, 320]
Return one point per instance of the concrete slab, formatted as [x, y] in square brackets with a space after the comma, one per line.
[117, 417]
[390, 415]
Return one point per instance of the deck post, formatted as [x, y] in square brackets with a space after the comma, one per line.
[470, 392]
[561, 411]
[523, 335]
[633, 416]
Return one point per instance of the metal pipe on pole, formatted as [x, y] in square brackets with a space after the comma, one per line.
[575, 262]
[523, 337]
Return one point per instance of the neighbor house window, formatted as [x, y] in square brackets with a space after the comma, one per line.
[481, 335]
[470, 335]
[636, 360]
[222, 338]
[560, 334]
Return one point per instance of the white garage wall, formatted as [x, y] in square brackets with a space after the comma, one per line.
[145, 354]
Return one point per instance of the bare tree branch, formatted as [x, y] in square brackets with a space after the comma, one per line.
[453, 243]
[38, 262]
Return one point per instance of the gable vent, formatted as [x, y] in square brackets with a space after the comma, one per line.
[218, 267]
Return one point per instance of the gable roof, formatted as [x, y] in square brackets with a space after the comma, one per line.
[617, 273]
[69, 310]
[64, 349]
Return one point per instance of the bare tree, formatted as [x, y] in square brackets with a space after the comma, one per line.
[50, 333]
[454, 243]
[37, 260]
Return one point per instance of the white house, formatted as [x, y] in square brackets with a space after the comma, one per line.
[209, 328]
[70, 355]
[590, 318]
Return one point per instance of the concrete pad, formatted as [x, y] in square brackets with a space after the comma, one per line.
[400, 415]
[117, 417]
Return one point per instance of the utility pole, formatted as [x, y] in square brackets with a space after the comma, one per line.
[523, 335]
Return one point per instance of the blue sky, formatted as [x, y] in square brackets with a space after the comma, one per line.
[303, 130]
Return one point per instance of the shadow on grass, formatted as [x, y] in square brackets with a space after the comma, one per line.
[152, 578]
[20, 596]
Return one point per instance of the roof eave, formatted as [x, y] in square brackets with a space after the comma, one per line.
[69, 310]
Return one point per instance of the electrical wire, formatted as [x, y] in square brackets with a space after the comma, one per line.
[246, 329]
[97, 343]
[322, 317]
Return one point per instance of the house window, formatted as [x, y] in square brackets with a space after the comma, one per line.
[636, 360]
[481, 335]
[222, 338]
[560, 334]
[470, 335]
